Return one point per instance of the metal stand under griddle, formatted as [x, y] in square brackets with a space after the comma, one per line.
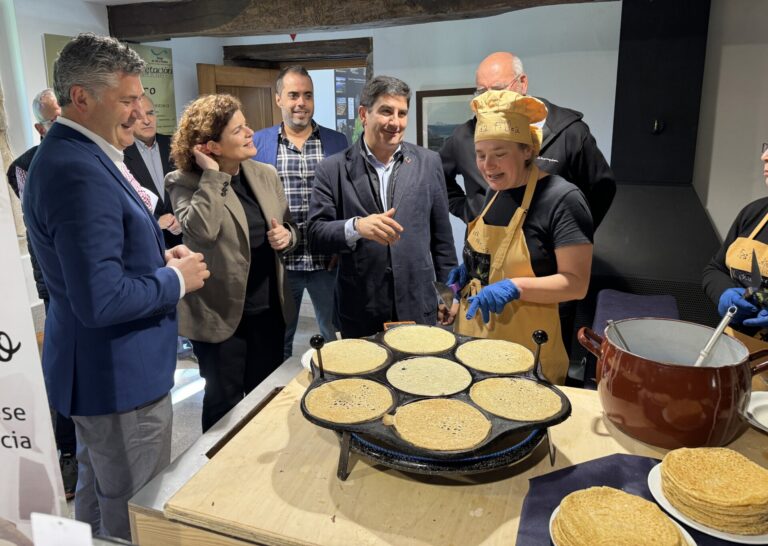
[350, 442]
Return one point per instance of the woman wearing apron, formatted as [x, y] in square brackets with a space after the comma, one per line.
[728, 274]
[531, 247]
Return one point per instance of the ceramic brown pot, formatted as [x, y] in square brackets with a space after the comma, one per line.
[651, 391]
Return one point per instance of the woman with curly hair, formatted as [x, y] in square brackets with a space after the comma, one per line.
[234, 211]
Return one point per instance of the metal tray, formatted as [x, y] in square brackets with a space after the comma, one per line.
[378, 433]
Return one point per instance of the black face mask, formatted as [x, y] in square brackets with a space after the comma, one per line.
[478, 264]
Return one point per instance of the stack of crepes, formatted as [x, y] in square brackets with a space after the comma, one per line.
[717, 487]
[603, 516]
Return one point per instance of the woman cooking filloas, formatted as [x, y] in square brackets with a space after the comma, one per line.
[531, 247]
[234, 211]
[728, 274]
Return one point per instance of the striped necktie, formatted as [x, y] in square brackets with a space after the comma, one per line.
[143, 195]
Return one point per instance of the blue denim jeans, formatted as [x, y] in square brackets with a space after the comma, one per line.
[321, 286]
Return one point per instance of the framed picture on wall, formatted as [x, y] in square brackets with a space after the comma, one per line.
[439, 112]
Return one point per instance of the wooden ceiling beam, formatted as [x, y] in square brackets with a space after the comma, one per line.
[299, 52]
[151, 21]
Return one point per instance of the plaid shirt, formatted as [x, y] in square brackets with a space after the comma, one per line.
[297, 171]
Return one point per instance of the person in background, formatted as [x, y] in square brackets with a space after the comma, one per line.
[234, 210]
[149, 160]
[295, 147]
[729, 273]
[109, 353]
[46, 109]
[381, 205]
[531, 246]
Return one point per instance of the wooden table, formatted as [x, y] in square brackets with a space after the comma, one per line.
[275, 483]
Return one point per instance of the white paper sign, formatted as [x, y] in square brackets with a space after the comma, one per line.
[30, 479]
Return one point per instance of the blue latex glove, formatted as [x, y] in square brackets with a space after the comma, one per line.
[760, 321]
[735, 296]
[492, 298]
[458, 278]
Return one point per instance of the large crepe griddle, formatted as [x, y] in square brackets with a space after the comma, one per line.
[507, 443]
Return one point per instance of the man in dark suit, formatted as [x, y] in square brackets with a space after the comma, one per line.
[110, 332]
[149, 160]
[382, 205]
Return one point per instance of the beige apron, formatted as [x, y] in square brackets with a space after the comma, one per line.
[518, 320]
[739, 258]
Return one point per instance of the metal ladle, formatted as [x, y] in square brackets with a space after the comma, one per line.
[612, 324]
[716, 335]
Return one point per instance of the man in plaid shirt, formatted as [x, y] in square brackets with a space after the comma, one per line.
[295, 147]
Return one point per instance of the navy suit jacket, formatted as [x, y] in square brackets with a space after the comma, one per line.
[374, 281]
[266, 143]
[110, 330]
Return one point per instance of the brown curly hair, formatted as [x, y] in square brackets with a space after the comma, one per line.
[203, 119]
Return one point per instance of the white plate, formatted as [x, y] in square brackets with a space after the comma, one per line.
[654, 484]
[306, 359]
[688, 538]
[758, 407]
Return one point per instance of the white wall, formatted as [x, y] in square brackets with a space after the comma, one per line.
[733, 121]
[324, 84]
[33, 19]
[570, 54]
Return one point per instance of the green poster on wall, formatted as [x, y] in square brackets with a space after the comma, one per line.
[157, 78]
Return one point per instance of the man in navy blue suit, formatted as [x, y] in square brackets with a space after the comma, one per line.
[110, 332]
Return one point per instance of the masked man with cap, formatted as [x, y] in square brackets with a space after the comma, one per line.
[531, 245]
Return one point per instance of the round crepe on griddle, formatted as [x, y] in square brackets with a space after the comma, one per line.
[419, 339]
[495, 356]
[428, 376]
[351, 356]
[441, 424]
[517, 399]
[348, 401]
[604, 515]
[717, 487]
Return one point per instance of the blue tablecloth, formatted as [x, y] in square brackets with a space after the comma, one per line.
[626, 472]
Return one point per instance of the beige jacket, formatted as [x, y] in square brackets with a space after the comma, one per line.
[213, 222]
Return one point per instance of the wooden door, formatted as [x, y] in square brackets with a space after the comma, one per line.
[255, 87]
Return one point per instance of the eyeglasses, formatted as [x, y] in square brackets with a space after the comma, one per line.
[501, 87]
[765, 147]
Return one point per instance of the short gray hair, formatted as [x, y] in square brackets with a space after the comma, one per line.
[37, 104]
[384, 85]
[92, 62]
[517, 65]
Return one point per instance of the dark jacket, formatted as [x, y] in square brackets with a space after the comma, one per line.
[110, 329]
[376, 283]
[21, 166]
[568, 149]
[266, 143]
[138, 168]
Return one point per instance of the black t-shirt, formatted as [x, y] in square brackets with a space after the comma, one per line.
[557, 217]
[717, 277]
[261, 287]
